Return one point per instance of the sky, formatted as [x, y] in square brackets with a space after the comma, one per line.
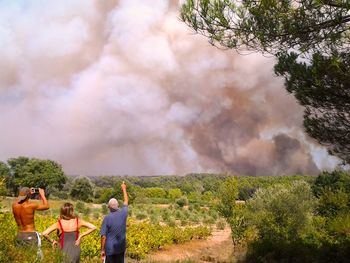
[123, 87]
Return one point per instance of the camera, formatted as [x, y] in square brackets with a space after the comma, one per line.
[34, 190]
[34, 193]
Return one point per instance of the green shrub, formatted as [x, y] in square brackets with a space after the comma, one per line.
[181, 202]
[80, 207]
[340, 226]
[171, 222]
[87, 211]
[282, 213]
[194, 219]
[178, 214]
[141, 215]
[165, 215]
[96, 215]
[333, 202]
[209, 220]
[104, 209]
[331, 181]
[154, 219]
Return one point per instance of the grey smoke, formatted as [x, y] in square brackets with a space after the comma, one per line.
[124, 87]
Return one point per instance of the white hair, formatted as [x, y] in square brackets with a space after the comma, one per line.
[113, 203]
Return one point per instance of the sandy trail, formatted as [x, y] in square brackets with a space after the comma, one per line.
[217, 248]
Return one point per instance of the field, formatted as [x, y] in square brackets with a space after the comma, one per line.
[207, 218]
[151, 227]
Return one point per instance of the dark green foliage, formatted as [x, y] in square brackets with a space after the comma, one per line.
[189, 183]
[80, 207]
[322, 85]
[107, 194]
[282, 213]
[141, 215]
[34, 173]
[117, 193]
[331, 203]
[181, 202]
[336, 180]
[4, 170]
[333, 191]
[271, 25]
[228, 193]
[82, 189]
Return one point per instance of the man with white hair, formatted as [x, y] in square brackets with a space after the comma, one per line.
[113, 230]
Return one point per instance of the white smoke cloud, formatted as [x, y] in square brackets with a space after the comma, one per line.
[124, 87]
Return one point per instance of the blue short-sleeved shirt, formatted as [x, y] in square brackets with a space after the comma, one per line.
[114, 229]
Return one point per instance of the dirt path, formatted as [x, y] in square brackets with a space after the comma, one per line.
[217, 248]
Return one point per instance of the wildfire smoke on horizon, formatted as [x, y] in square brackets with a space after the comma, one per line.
[124, 87]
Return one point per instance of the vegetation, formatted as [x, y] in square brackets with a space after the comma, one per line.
[296, 222]
[310, 40]
[141, 239]
[271, 25]
[32, 172]
[82, 189]
[272, 218]
[321, 85]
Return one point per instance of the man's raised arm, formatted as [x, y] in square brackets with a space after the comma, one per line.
[125, 194]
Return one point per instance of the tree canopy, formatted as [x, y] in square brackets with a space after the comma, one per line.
[311, 40]
[33, 172]
[82, 189]
[323, 86]
[271, 25]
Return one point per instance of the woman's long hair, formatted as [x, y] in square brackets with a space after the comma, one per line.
[67, 211]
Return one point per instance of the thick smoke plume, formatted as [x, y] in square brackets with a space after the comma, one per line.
[124, 87]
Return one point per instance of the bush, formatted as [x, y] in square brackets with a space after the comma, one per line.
[104, 209]
[285, 225]
[331, 181]
[154, 219]
[87, 211]
[171, 222]
[181, 202]
[141, 215]
[96, 215]
[80, 207]
[178, 214]
[332, 203]
[282, 213]
[82, 189]
[194, 219]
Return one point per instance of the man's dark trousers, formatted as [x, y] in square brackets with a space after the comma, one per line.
[117, 258]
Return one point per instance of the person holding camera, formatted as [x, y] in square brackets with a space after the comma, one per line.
[23, 211]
